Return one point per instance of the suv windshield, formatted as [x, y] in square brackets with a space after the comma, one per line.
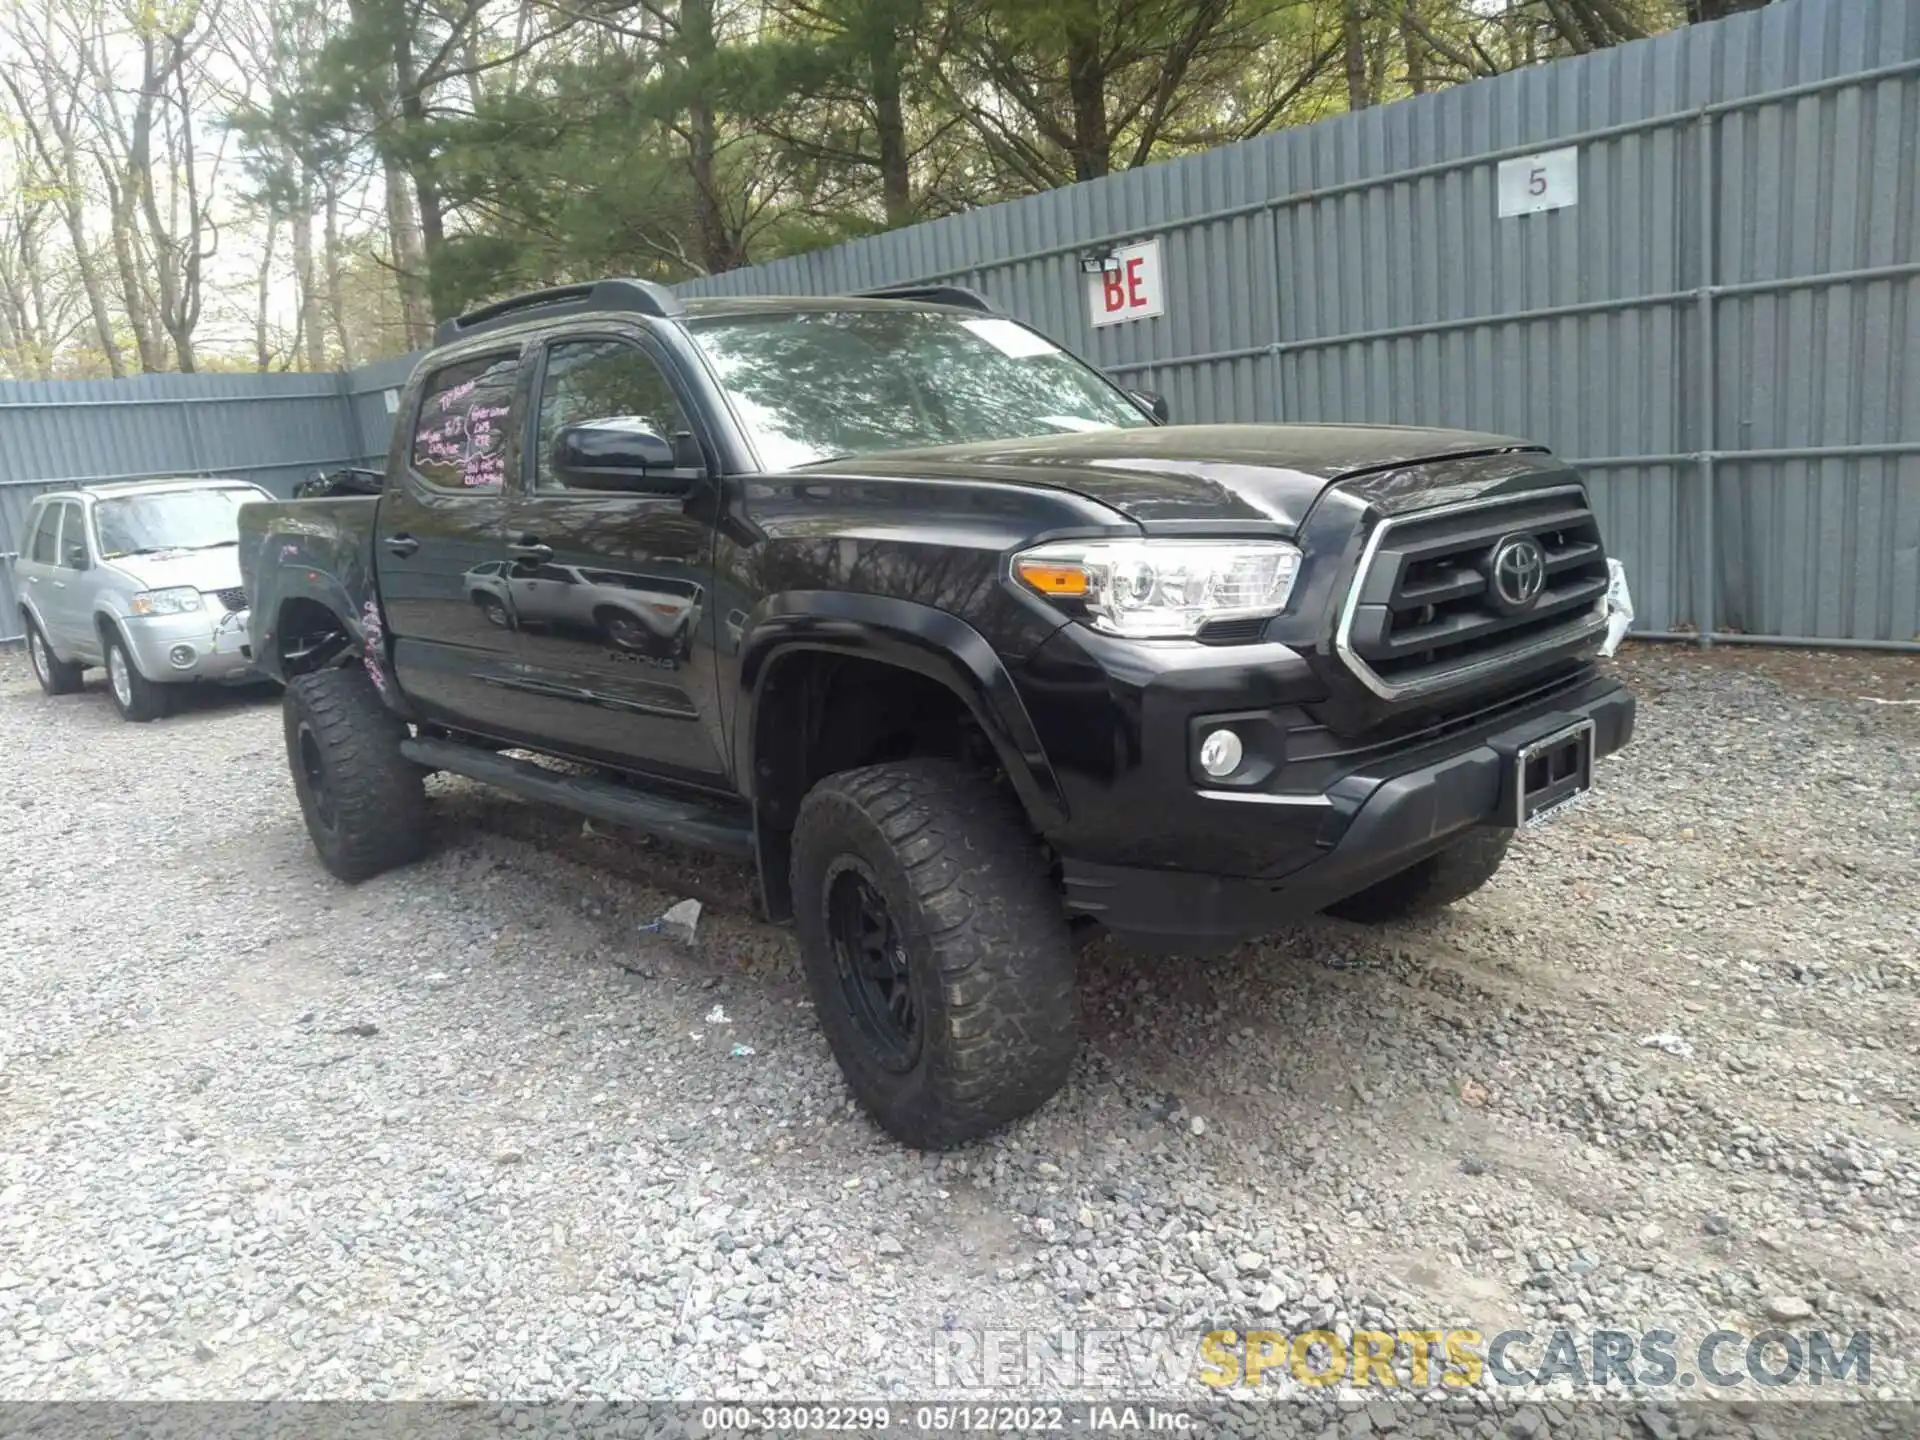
[825, 384]
[170, 520]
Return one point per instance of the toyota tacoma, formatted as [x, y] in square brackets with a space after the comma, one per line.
[963, 646]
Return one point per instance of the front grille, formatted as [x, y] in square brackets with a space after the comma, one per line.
[234, 599]
[1425, 608]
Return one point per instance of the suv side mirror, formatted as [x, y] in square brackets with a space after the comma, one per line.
[616, 454]
[77, 556]
[1154, 403]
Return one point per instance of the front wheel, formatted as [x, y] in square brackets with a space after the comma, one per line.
[136, 698]
[935, 949]
[56, 676]
[365, 803]
[1442, 878]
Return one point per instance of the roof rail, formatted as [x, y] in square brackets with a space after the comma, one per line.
[640, 297]
[959, 295]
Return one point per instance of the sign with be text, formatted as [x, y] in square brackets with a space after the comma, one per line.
[1133, 288]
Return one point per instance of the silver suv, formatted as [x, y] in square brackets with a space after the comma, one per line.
[142, 577]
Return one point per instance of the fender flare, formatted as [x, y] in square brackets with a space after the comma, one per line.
[935, 643]
[368, 644]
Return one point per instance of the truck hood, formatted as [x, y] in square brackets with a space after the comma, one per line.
[203, 569]
[1169, 473]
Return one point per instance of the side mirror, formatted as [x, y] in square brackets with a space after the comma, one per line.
[77, 556]
[1154, 403]
[616, 454]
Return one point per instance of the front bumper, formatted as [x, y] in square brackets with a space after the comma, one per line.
[1376, 820]
[217, 639]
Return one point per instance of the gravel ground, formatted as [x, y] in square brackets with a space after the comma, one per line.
[467, 1131]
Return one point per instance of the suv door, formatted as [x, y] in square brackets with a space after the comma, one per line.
[33, 566]
[63, 600]
[440, 533]
[607, 583]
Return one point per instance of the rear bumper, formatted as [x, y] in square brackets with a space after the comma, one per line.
[218, 641]
[1373, 822]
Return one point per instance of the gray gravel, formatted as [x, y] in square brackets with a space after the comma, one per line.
[465, 1131]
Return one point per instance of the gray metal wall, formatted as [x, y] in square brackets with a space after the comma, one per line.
[1725, 329]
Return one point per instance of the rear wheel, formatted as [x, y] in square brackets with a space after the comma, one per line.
[935, 949]
[1442, 878]
[365, 803]
[56, 676]
[136, 698]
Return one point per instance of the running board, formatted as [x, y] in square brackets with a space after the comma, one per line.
[688, 821]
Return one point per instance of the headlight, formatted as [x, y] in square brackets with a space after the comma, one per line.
[177, 600]
[1162, 588]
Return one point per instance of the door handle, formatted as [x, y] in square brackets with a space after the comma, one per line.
[402, 545]
[529, 548]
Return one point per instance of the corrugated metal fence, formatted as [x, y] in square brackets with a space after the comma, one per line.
[1724, 328]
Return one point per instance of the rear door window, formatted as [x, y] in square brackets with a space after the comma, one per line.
[460, 433]
[43, 546]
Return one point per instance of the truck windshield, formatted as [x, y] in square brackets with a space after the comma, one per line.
[170, 520]
[826, 384]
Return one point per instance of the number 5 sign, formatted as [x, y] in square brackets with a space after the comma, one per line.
[1132, 289]
[1547, 181]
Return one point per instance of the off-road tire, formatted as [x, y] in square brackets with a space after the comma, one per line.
[1442, 878]
[143, 700]
[56, 676]
[364, 802]
[989, 963]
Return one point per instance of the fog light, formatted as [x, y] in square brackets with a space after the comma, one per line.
[182, 656]
[1220, 754]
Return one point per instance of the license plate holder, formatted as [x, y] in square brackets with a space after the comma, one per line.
[1550, 774]
[230, 638]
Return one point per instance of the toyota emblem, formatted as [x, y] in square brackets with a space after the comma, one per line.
[1518, 571]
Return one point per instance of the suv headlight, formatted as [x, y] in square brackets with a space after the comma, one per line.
[1162, 589]
[175, 600]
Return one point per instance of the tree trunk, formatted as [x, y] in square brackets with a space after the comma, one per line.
[1353, 32]
[1087, 87]
[426, 189]
[1416, 50]
[890, 122]
[336, 287]
[403, 231]
[262, 352]
[313, 329]
[717, 250]
[83, 260]
[41, 340]
[133, 285]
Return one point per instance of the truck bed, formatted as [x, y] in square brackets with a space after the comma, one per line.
[318, 550]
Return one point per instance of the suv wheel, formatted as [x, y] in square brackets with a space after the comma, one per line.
[1452, 874]
[935, 949]
[136, 698]
[56, 676]
[365, 803]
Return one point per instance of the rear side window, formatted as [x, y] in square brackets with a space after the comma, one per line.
[460, 436]
[44, 547]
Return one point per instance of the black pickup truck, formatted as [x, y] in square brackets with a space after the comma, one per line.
[963, 645]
